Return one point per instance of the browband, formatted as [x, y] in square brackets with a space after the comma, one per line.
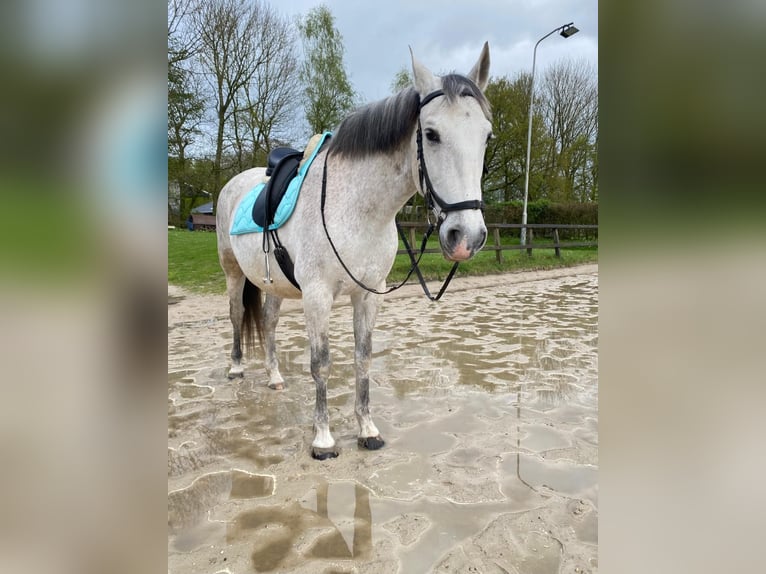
[431, 96]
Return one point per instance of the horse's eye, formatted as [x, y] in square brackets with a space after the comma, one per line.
[432, 136]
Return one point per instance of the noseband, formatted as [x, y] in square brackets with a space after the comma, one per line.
[426, 187]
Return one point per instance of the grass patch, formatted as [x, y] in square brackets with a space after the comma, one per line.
[193, 261]
[46, 236]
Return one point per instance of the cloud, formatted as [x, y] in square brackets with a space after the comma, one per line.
[448, 36]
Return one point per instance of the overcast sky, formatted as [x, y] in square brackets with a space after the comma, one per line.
[447, 35]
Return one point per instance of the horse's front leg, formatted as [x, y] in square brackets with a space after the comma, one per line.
[270, 319]
[365, 313]
[317, 304]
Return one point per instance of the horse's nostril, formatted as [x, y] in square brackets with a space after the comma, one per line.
[453, 236]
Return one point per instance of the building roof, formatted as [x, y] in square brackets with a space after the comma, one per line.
[204, 208]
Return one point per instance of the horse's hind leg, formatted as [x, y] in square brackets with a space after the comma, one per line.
[235, 285]
[365, 313]
[317, 304]
[270, 320]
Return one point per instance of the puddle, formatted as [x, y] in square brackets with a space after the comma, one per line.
[541, 438]
[192, 391]
[488, 404]
[183, 375]
[562, 476]
[190, 506]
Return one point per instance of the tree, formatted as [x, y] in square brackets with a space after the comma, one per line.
[267, 106]
[569, 102]
[402, 80]
[185, 111]
[228, 32]
[506, 152]
[564, 162]
[185, 104]
[593, 196]
[182, 40]
[327, 90]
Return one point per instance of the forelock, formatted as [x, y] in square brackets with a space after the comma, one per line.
[457, 86]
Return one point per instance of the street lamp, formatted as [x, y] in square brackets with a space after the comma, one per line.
[567, 30]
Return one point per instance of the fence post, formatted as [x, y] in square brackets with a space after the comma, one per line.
[556, 241]
[412, 237]
[530, 240]
[499, 250]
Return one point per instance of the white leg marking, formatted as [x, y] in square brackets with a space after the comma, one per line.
[367, 428]
[323, 438]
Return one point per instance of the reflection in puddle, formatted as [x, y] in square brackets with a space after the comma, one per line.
[488, 403]
[337, 514]
[189, 506]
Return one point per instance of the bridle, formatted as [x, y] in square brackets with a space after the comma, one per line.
[426, 187]
[431, 198]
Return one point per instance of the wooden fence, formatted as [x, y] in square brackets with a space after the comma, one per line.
[207, 222]
[495, 228]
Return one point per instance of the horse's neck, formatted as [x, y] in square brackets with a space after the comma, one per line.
[379, 184]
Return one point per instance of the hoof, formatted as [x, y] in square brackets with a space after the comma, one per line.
[323, 453]
[371, 442]
[277, 386]
[236, 374]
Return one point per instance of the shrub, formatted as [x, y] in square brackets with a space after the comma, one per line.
[543, 211]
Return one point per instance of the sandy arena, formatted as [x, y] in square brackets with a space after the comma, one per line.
[488, 403]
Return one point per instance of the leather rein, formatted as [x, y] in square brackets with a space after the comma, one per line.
[432, 199]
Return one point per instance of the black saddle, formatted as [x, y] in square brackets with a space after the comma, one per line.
[283, 165]
[276, 155]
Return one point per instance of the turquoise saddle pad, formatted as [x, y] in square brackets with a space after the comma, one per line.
[243, 218]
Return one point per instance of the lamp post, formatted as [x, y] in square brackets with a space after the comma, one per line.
[567, 30]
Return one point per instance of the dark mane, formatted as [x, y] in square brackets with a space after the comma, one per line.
[383, 126]
[455, 85]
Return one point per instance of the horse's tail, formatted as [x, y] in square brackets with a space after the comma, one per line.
[251, 320]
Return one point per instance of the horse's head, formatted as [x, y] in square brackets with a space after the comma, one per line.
[453, 130]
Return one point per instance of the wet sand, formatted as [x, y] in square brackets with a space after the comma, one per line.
[488, 404]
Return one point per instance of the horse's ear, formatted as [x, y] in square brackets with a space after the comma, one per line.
[424, 80]
[480, 72]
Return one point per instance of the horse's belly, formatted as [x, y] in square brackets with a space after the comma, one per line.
[369, 260]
